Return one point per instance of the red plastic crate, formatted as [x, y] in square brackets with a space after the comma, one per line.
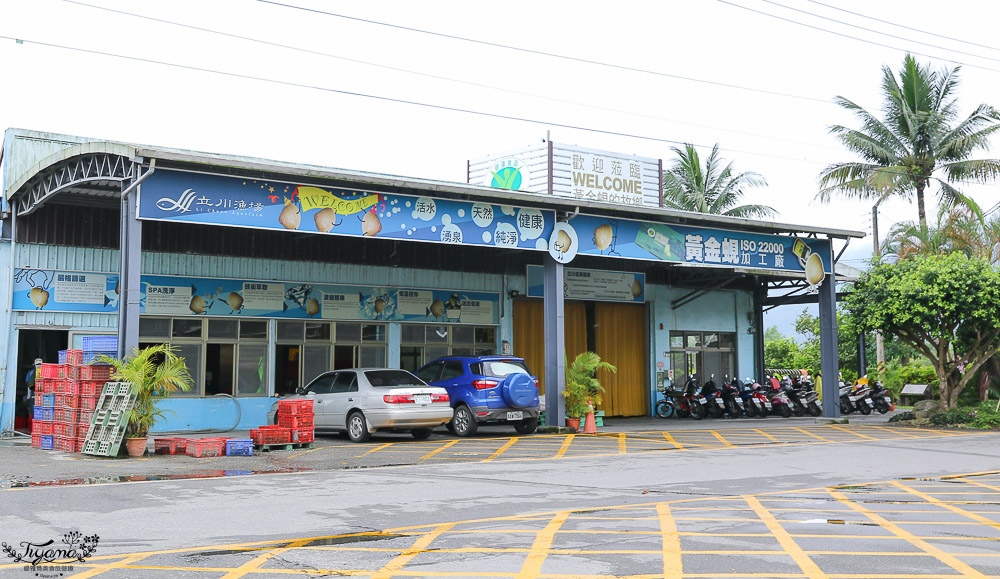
[88, 403]
[52, 371]
[71, 386]
[60, 400]
[74, 357]
[91, 387]
[303, 435]
[295, 408]
[96, 372]
[72, 372]
[67, 415]
[44, 386]
[85, 416]
[68, 444]
[270, 435]
[40, 427]
[295, 421]
[36, 440]
[199, 447]
[169, 445]
[72, 400]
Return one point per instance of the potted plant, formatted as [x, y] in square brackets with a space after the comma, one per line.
[154, 373]
[583, 390]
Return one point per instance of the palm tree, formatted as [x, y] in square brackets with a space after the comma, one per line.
[712, 189]
[916, 144]
[959, 229]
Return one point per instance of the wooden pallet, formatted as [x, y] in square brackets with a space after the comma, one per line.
[282, 446]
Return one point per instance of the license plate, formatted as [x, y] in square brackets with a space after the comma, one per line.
[869, 401]
[703, 400]
[720, 402]
[888, 399]
[515, 415]
[422, 398]
[767, 404]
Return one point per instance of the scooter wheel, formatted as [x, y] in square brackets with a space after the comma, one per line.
[815, 409]
[785, 412]
[863, 408]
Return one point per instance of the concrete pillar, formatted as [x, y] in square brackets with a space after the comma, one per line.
[555, 344]
[129, 269]
[829, 362]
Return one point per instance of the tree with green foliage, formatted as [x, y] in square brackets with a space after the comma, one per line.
[947, 307]
[919, 142]
[715, 188]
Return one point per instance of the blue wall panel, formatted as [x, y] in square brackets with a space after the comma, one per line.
[215, 413]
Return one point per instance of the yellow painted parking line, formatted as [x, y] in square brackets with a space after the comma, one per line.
[814, 435]
[934, 501]
[532, 565]
[721, 439]
[621, 443]
[672, 561]
[419, 546]
[565, 446]
[950, 560]
[376, 449]
[670, 439]
[441, 448]
[93, 572]
[253, 565]
[765, 435]
[852, 431]
[808, 566]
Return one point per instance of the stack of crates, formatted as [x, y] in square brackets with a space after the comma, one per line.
[93, 346]
[68, 394]
[297, 417]
[270, 434]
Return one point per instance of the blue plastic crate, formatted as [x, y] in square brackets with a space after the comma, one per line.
[48, 400]
[47, 440]
[45, 413]
[100, 343]
[239, 447]
[90, 356]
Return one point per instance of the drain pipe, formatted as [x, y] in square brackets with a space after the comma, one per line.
[134, 184]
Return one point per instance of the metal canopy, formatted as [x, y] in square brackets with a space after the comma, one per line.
[88, 174]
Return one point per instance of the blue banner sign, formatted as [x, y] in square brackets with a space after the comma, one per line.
[704, 247]
[591, 285]
[262, 204]
[66, 291]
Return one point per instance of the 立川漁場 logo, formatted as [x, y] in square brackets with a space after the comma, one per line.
[182, 204]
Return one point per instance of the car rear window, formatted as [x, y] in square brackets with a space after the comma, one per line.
[390, 378]
[501, 368]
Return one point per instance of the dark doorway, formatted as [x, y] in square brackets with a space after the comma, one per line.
[286, 370]
[32, 344]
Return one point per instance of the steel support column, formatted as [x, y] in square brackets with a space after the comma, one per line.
[862, 358]
[828, 345]
[555, 343]
[759, 296]
[129, 269]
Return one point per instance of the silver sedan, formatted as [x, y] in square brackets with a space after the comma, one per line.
[361, 401]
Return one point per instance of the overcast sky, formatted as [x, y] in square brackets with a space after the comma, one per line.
[688, 61]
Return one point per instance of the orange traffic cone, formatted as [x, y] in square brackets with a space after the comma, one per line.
[590, 425]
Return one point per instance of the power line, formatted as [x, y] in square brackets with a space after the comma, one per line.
[799, 10]
[542, 52]
[392, 99]
[872, 42]
[830, 6]
[434, 76]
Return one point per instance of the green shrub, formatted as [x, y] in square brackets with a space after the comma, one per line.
[908, 415]
[987, 416]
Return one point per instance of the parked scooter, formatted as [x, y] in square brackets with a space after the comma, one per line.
[798, 407]
[779, 401]
[692, 403]
[671, 400]
[755, 399]
[881, 397]
[855, 397]
[714, 405]
[731, 398]
[806, 391]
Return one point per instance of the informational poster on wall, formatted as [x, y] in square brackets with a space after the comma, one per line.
[65, 291]
[701, 246]
[591, 285]
[261, 204]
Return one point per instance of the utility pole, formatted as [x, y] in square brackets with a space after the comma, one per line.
[879, 344]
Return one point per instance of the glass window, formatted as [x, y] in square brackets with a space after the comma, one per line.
[222, 329]
[727, 340]
[391, 378]
[373, 333]
[186, 328]
[290, 331]
[372, 356]
[486, 336]
[315, 361]
[154, 328]
[413, 334]
[251, 371]
[430, 373]
[711, 340]
[253, 329]
[434, 352]
[318, 331]
[676, 340]
[436, 334]
[452, 369]
[463, 351]
[322, 384]
[192, 356]
[348, 332]
[502, 368]
[344, 383]
[411, 357]
[693, 339]
[463, 335]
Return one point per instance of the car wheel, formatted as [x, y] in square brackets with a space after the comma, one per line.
[421, 433]
[357, 430]
[526, 426]
[464, 422]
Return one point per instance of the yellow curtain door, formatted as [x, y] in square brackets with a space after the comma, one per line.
[620, 339]
[529, 334]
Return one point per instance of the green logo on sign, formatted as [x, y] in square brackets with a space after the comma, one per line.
[507, 178]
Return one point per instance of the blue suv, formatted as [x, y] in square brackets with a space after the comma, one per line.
[483, 389]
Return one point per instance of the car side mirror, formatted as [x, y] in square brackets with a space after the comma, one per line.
[299, 390]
